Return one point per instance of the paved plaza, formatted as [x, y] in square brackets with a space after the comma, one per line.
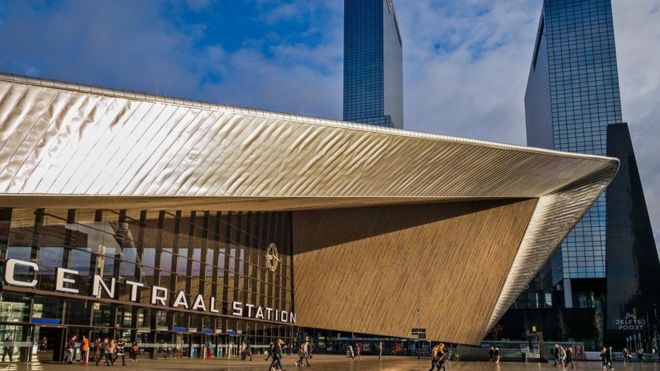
[325, 363]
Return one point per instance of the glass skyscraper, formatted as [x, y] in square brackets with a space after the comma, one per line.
[373, 82]
[607, 268]
[572, 95]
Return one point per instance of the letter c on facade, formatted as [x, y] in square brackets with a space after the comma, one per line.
[10, 267]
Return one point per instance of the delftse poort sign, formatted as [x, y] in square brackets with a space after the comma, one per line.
[65, 280]
[630, 323]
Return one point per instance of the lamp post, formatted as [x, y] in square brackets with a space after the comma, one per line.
[418, 327]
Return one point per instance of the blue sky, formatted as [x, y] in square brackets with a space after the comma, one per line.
[465, 61]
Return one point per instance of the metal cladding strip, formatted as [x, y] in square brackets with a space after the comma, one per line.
[554, 217]
[62, 139]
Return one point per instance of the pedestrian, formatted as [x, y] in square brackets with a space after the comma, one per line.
[248, 350]
[358, 351]
[380, 350]
[112, 348]
[135, 348]
[603, 357]
[497, 355]
[43, 345]
[303, 354]
[84, 347]
[70, 350]
[555, 356]
[120, 349]
[104, 352]
[627, 357]
[442, 357]
[97, 349]
[608, 358]
[570, 354]
[243, 350]
[8, 349]
[640, 354]
[434, 357]
[562, 356]
[351, 353]
[491, 354]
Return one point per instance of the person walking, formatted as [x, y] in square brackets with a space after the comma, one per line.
[97, 350]
[248, 350]
[303, 354]
[84, 347]
[627, 357]
[104, 352]
[640, 355]
[43, 345]
[442, 357]
[120, 349]
[491, 354]
[135, 348]
[562, 356]
[380, 350]
[358, 352]
[608, 358]
[112, 349]
[276, 354]
[570, 355]
[497, 355]
[8, 349]
[70, 350]
[434, 357]
[555, 356]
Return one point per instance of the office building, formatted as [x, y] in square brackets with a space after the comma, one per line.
[572, 103]
[373, 72]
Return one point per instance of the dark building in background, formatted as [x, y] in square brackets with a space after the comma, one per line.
[373, 82]
[572, 103]
[633, 269]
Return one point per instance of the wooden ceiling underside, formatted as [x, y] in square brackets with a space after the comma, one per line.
[368, 270]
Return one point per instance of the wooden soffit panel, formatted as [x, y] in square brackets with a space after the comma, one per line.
[368, 270]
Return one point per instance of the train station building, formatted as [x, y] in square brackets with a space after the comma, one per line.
[194, 225]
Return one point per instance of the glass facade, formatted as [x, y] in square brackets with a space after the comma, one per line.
[633, 278]
[572, 96]
[203, 262]
[373, 83]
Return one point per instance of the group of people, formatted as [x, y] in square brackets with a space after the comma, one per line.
[563, 357]
[110, 350]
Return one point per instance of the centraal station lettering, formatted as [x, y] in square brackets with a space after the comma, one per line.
[65, 278]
